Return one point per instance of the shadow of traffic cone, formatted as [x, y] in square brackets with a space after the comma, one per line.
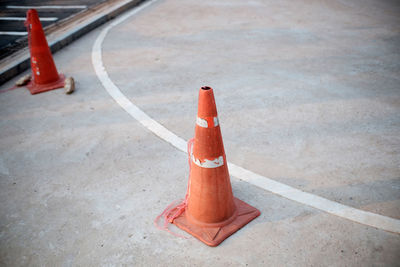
[45, 75]
[211, 213]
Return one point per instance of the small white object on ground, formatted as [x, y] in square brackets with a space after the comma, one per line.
[69, 86]
[23, 80]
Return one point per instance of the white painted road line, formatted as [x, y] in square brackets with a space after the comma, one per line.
[24, 18]
[364, 217]
[13, 33]
[47, 7]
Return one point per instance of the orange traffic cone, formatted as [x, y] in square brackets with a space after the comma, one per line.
[210, 212]
[45, 75]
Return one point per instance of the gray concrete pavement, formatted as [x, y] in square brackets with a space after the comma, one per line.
[307, 94]
[314, 105]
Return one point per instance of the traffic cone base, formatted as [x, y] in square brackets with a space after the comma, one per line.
[35, 88]
[213, 234]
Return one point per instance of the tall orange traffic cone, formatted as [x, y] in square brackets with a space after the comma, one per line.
[210, 212]
[45, 75]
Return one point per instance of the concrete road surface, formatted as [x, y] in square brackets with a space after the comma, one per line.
[308, 95]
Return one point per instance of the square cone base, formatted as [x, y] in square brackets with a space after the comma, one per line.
[213, 236]
[35, 88]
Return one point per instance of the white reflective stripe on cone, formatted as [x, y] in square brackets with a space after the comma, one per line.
[215, 163]
[204, 123]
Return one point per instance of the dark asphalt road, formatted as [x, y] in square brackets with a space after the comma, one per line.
[11, 22]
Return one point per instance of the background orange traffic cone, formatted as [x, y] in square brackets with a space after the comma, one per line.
[210, 212]
[45, 75]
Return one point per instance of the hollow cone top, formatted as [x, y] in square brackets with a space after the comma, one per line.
[32, 18]
[208, 140]
[207, 107]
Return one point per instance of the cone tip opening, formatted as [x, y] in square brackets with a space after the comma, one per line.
[30, 13]
[205, 88]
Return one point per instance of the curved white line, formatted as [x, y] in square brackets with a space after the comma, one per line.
[353, 214]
